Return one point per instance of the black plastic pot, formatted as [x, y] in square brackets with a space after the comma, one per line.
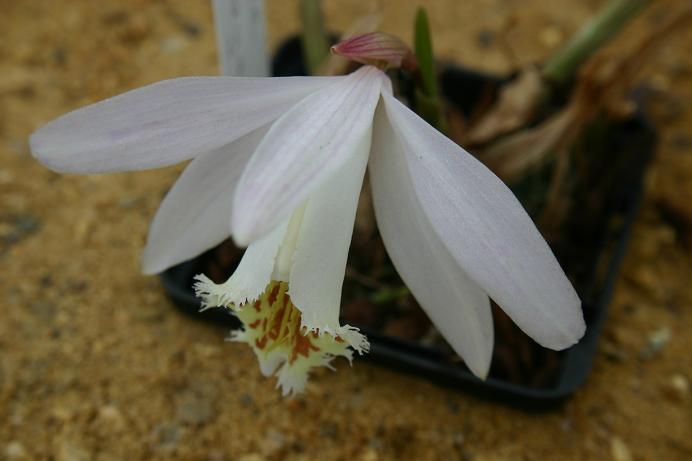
[464, 89]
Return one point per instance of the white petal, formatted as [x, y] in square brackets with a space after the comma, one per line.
[487, 230]
[194, 215]
[303, 149]
[166, 122]
[456, 304]
[251, 277]
[319, 258]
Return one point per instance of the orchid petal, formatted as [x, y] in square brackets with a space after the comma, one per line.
[166, 122]
[319, 258]
[193, 216]
[458, 307]
[488, 232]
[250, 278]
[302, 150]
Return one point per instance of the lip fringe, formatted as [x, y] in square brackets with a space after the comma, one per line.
[273, 328]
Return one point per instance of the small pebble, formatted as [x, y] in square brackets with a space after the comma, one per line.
[657, 340]
[619, 450]
[15, 450]
[70, 451]
[110, 415]
[130, 202]
[195, 405]
[246, 400]
[42, 309]
[190, 29]
[23, 226]
[61, 413]
[6, 177]
[273, 444]
[369, 455]
[173, 44]
[329, 429]
[165, 436]
[191, 410]
[252, 457]
[645, 277]
[677, 388]
[216, 455]
[485, 38]
[551, 36]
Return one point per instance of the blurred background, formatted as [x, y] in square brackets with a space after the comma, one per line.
[95, 364]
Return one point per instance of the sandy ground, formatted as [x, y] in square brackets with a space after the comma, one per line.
[95, 364]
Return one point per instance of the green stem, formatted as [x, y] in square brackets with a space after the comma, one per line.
[606, 24]
[314, 38]
[390, 294]
[423, 49]
[428, 104]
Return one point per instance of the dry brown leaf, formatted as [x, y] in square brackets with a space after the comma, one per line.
[604, 82]
[516, 107]
[513, 155]
[557, 203]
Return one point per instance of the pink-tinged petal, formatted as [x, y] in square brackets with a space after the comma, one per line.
[302, 150]
[376, 48]
[193, 216]
[166, 122]
[458, 307]
[488, 232]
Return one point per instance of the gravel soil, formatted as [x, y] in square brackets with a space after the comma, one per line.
[95, 364]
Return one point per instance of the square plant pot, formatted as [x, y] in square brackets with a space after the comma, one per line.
[591, 252]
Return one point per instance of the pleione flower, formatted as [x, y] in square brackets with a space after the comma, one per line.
[278, 164]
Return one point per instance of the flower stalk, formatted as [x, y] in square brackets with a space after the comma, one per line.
[314, 38]
[428, 103]
[593, 35]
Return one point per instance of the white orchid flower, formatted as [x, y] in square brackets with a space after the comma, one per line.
[278, 164]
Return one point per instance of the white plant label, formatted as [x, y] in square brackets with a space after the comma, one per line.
[241, 37]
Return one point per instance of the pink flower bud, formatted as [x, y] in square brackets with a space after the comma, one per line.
[376, 48]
